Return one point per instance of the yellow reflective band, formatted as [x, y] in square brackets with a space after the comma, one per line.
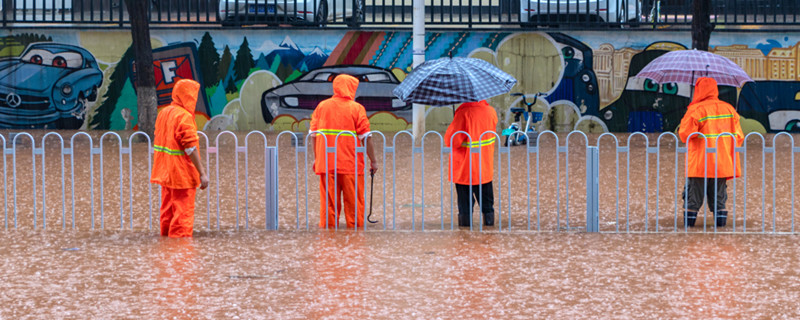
[717, 117]
[717, 135]
[168, 151]
[333, 132]
[481, 143]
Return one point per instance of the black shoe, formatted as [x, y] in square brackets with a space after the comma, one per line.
[722, 218]
[689, 218]
[488, 219]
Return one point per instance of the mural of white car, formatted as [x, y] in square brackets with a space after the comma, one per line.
[536, 12]
[316, 12]
[300, 97]
[49, 85]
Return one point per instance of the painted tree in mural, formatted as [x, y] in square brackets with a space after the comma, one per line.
[209, 60]
[224, 62]
[102, 116]
[244, 61]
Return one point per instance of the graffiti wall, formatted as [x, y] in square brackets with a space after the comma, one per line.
[273, 79]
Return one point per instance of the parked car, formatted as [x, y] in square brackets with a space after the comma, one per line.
[300, 97]
[554, 12]
[272, 12]
[49, 85]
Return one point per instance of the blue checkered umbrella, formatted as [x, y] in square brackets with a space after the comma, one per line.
[449, 81]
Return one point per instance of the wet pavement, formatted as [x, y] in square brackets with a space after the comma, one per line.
[397, 275]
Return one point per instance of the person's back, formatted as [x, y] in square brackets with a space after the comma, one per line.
[340, 116]
[176, 160]
[718, 122]
[467, 169]
[341, 122]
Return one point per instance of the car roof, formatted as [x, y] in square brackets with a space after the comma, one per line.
[354, 70]
[59, 47]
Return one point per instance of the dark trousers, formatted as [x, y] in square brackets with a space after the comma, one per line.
[466, 193]
[695, 194]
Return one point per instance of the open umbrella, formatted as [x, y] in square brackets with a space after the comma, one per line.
[448, 81]
[685, 66]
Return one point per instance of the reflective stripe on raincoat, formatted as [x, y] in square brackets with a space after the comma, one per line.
[176, 133]
[713, 118]
[340, 116]
[474, 118]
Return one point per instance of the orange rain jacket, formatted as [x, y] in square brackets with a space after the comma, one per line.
[474, 118]
[176, 132]
[340, 114]
[711, 117]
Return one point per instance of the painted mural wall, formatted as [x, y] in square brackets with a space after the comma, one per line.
[273, 79]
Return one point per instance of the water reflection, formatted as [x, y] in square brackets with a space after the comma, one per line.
[338, 275]
[176, 277]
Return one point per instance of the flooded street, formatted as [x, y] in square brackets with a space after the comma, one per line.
[108, 262]
[397, 275]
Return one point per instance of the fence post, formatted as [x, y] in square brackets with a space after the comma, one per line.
[271, 188]
[592, 189]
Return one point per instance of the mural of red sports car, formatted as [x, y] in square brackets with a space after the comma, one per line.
[48, 86]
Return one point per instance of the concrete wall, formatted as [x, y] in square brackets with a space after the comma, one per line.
[261, 79]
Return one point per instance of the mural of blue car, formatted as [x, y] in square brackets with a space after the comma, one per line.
[48, 86]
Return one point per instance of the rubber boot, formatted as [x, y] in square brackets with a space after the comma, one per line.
[689, 218]
[722, 218]
[488, 219]
[463, 220]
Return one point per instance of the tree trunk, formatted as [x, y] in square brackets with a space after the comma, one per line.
[143, 55]
[701, 24]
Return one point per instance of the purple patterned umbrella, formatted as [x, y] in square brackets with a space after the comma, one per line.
[685, 66]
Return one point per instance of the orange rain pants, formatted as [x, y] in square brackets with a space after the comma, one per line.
[341, 187]
[177, 212]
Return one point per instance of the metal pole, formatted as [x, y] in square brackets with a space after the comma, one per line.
[592, 189]
[418, 19]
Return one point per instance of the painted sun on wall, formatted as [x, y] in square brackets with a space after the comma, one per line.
[274, 80]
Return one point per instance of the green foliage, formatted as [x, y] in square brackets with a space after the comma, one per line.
[209, 61]
[102, 115]
[244, 61]
[231, 88]
[224, 63]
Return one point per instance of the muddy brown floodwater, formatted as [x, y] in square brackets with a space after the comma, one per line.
[289, 274]
[397, 275]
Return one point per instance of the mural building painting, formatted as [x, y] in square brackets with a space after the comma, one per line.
[273, 80]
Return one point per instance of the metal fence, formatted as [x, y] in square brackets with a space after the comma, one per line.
[354, 13]
[554, 183]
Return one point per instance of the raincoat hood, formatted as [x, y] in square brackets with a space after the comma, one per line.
[345, 86]
[185, 93]
[705, 89]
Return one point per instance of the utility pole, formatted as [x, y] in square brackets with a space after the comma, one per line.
[701, 24]
[147, 101]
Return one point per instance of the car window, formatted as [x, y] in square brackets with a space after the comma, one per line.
[71, 60]
[375, 77]
[324, 76]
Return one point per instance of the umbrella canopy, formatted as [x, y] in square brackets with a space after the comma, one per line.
[449, 81]
[685, 66]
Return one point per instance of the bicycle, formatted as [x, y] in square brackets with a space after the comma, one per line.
[512, 133]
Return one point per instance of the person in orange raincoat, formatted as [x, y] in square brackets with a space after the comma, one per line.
[176, 161]
[719, 122]
[341, 116]
[474, 118]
